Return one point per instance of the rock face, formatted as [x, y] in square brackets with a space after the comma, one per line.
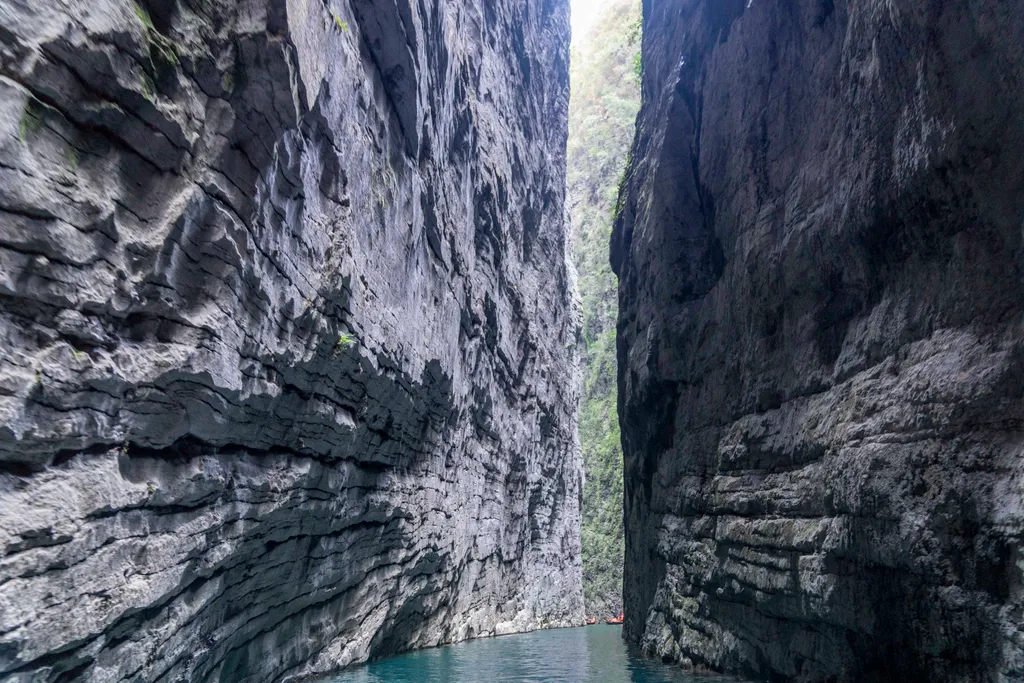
[289, 345]
[821, 365]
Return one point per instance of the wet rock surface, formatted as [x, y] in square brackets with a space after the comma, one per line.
[288, 359]
[820, 340]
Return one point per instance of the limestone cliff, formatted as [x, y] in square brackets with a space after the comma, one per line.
[821, 339]
[289, 347]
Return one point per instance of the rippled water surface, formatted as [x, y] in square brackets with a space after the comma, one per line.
[595, 654]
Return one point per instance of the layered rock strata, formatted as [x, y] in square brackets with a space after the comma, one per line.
[821, 364]
[288, 358]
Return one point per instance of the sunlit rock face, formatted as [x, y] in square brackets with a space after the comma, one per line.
[288, 341]
[820, 342]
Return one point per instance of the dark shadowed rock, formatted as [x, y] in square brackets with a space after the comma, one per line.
[288, 341]
[821, 341]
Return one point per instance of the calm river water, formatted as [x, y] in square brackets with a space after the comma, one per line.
[595, 654]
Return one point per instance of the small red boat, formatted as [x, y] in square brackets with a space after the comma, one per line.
[590, 621]
[616, 620]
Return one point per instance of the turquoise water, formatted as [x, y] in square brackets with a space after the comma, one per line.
[595, 654]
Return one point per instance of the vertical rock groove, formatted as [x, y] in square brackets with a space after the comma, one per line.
[288, 368]
[820, 340]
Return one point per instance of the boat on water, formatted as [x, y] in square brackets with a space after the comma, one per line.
[590, 621]
[616, 620]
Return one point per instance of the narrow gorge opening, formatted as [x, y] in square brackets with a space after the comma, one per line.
[605, 98]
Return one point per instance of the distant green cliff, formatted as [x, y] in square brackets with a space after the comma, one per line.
[605, 99]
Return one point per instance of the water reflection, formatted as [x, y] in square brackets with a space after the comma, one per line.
[595, 654]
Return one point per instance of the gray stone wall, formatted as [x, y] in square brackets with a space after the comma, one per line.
[820, 340]
[287, 372]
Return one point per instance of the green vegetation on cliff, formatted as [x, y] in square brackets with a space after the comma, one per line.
[605, 99]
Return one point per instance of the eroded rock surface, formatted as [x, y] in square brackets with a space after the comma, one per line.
[820, 340]
[288, 342]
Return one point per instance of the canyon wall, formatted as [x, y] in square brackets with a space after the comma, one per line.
[821, 367]
[289, 341]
